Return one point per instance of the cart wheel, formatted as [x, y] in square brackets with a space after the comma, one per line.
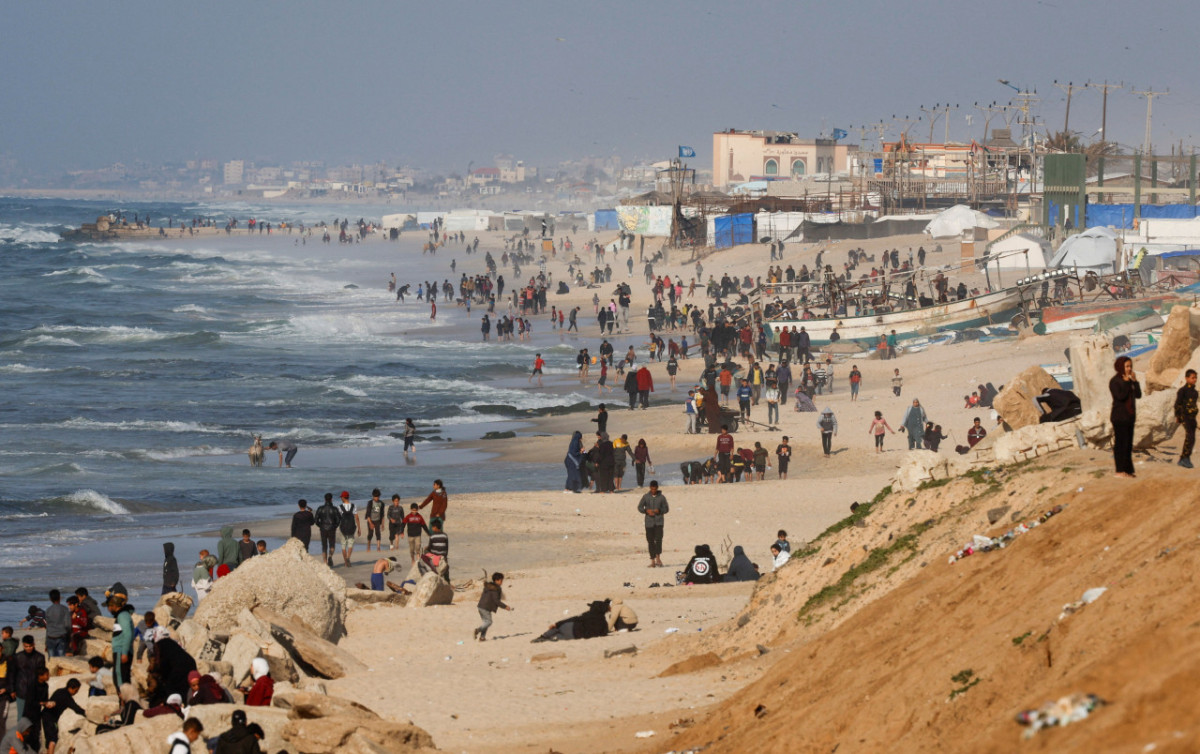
[734, 424]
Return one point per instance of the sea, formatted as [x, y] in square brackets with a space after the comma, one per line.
[135, 374]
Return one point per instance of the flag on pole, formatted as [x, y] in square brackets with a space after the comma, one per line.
[839, 133]
[686, 152]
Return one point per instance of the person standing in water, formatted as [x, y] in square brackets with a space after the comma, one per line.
[287, 451]
[410, 437]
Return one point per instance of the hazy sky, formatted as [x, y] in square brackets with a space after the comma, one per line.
[438, 84]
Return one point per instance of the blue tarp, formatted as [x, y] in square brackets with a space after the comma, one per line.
[731, 230]
[1121, 215]
[606, 219]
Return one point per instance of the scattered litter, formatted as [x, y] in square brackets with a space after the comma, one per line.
[683, 722]
[449, 658]
[460, 643]
[627, 584]
[760, 711]
[1079, 490]
[671, 630]
[1067, 710]
[1088, 598]
[566, 536]
[980, 543]
[643, 734]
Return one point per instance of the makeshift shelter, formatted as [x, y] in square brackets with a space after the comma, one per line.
[1021, 253]
[953, 222]
[606, 219]
[731, 230]
[1094, 249]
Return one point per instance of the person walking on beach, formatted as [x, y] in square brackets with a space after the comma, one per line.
[631, 388]
[538, 365]
[395, 519]
[783, 456]
[490, 601]
[897, 383]
[302, 523]
[376, 509]
[410, 437]
[414, 524]
[287, 451]
[855, 381]
[827, 423]
[572, 461]
[744, 395]
[724, 451]
[878, 427]
[439, 499]
[771, 395]
[1185, 414]
[1125, 392]
[348, 527]
[653, 506]
[913, 424]
[645, 383]
[601, 419]
[328, 518]
[641, 459]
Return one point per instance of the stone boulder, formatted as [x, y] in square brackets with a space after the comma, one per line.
[240, 651]
[431, 590]
[921, 466]
[1155, 419]
[148, 736]
[172, 608]
[363, 597]
[305, 705]
[1015, 401]
[288, 581]
[67, 666]
[1036, 440]
[1092, 361]
[1180, 339]
[310, 651]
[353, 735]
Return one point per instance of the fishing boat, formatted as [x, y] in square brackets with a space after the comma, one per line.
[998, 307]
[1087, 315]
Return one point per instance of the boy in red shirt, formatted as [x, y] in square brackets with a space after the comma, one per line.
[414, 523]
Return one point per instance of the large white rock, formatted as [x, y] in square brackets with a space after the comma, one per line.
[1015, 401]
[921, 466]
[288, 581]
[1180, 338]
[240, 651]
[1092, 361]
[431, 590]
[324, 657]
[172, 608]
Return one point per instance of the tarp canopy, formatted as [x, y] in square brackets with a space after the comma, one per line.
[646, 221]
[952, 222]
[812, 231]
[606, 219]
[1121, 215]
[1021, 252]
[1093, 249]
[731, 230]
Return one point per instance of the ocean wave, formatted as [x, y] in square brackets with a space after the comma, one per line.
[25, 235]
[23, 369]
[50, 340]
[142, 425]
[94, 500]
[85, 275]
[56, 468]
[190, 309]
[172, 454]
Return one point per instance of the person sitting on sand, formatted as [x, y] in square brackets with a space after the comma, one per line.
[740, 568]
[620, 616]
[702, 568]
[587, 625]
[779, 557]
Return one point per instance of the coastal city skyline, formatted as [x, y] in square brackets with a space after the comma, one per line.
[553, 85]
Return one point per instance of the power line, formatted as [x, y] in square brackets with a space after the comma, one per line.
[1149, 95]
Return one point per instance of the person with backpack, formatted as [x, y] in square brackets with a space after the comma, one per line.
[328, 517]
[827, 423]
[348, 527]
[375, 510]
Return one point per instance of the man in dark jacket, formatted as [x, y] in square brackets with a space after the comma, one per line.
[631, 387]
[170, 581]
[23, 671]
[240, 738]
[490, 601]
[653, 506]
[328, 517]
[302, 524]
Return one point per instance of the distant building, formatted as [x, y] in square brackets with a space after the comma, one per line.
[234, 172]
[484, 176]
[773, 155]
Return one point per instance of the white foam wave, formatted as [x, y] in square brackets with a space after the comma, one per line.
[190, 309]
[85, 274]
[22, 369]
[171, 454]
[49, 340]
[142, 425]
[99, 501]
[24, 234]
[107, 334]
[348, 390]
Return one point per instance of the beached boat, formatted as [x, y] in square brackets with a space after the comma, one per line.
[1087, 315]
[999, 307]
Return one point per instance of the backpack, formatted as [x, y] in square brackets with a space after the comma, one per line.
[327, 517]
[347, 523]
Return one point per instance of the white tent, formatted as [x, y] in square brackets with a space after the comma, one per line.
[951, 223]
[1021, 252]
[1093, 249]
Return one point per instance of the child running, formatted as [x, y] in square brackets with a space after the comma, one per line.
[878, 426]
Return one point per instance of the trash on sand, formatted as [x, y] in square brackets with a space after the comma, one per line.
[643, 734]
[980, 543]
[670, 630]
[1067, 710]
[1088, 598]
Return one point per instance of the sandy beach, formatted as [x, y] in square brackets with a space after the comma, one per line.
[561, 551]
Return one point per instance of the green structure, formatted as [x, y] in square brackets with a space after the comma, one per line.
[1065, 190]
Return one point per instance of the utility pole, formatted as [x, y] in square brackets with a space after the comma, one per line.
[1149, 95]
[1069, 88]
[1104, 104]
